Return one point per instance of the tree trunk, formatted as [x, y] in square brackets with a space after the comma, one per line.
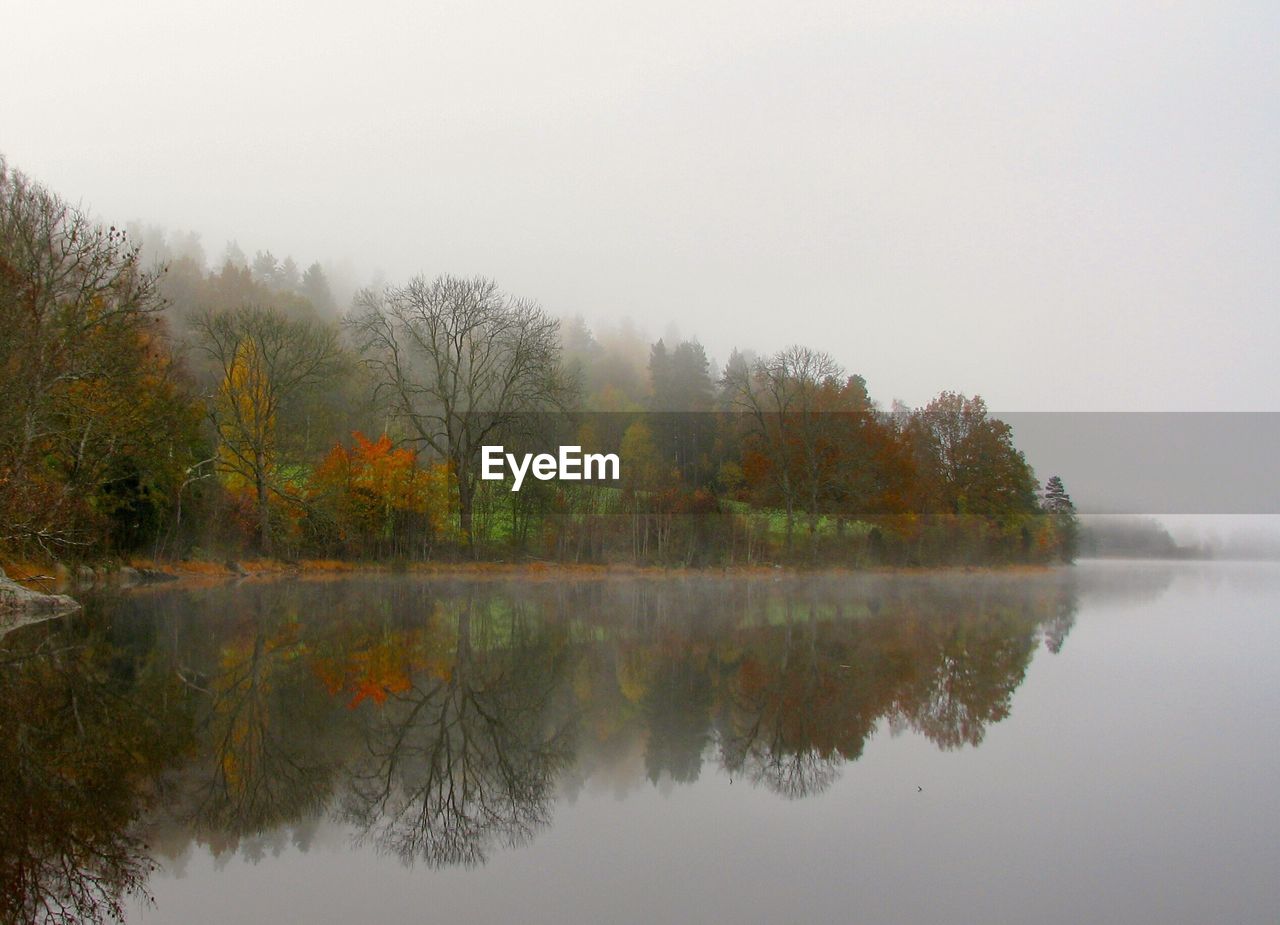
[264, 515]
[466, 495]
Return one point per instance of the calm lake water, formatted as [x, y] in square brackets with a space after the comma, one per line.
[1095, 744]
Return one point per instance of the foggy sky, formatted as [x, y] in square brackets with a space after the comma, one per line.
[1058, 206]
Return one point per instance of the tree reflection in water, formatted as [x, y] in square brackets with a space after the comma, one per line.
[467, 756]
[261, 722]
[85, 732]
[440, 720]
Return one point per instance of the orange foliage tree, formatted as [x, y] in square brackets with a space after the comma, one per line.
[375, 499]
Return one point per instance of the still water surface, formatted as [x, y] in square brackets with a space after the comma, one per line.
[1094, 744]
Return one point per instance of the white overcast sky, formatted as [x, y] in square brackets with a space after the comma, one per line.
[1056, 205]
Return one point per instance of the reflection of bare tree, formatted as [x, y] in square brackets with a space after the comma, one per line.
[79, 748]
[793, 773]
[467, 759]
[781, 721]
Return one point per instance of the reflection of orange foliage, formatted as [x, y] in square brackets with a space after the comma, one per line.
[378, 689]
[378, 670]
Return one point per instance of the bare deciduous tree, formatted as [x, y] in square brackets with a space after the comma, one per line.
[459, 361]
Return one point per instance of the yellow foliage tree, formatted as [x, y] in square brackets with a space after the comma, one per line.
[265, 360]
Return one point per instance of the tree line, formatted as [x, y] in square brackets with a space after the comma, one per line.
[171, 410]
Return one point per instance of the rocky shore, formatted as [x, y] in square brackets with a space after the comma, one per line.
[21, 605]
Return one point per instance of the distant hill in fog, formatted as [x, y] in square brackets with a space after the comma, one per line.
[1103, 536]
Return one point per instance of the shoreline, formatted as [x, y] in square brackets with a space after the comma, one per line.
[144, 573]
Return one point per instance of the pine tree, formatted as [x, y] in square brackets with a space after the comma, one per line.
[1056, 499]
[1057, 504]
[315, 288]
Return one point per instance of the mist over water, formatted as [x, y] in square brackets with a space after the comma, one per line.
[953, 746]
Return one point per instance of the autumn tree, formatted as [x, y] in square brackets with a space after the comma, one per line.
[967, 460]
[93, 413]
[379, 496]
[780, 402]
[266, 363]
[458, 362]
